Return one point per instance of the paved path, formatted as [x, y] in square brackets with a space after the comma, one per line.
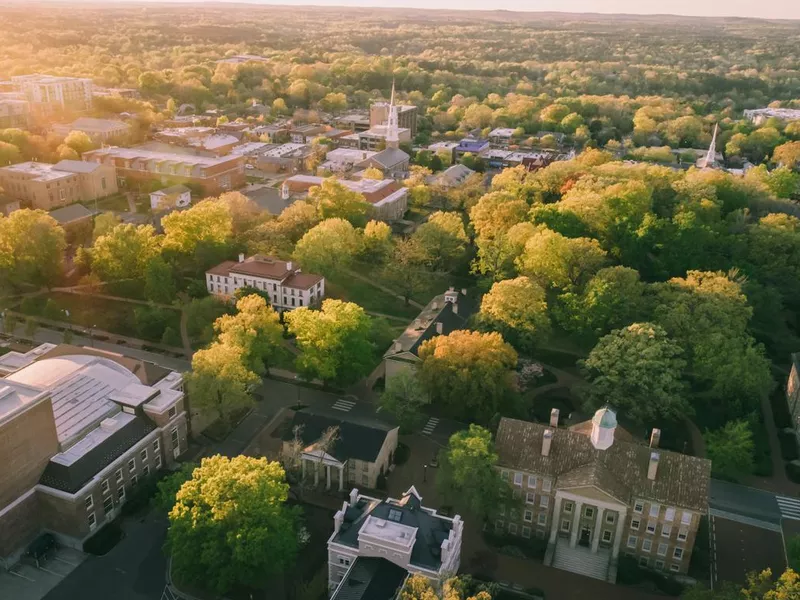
[778, 482]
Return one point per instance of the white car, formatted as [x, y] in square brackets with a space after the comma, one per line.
[249, 167]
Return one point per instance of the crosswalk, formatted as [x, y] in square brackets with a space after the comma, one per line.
[430, 426]
[789, 507]
[343, 405]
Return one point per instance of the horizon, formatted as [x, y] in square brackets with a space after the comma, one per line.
[778, 10]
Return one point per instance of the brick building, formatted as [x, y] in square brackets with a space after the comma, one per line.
[99, 130]
[593, 491]
[79, 429]
[214, 175]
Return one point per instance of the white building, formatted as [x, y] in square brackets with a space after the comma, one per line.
[759, 115]
[48, 93]
[176, 196]
[401, 532]
[287, 286]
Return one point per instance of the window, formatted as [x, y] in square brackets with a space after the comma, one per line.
[544, 501]
[654, 510]
[134, 480]
[588, 512]
[92, 521]
[156, 446]
[526, 532]
[666, 530]
[638, 507]
[662, 550]
[528, 516]
[512, 528]
[546, 484]
[643, 561]
[513, 514]
[121, 494]
[131, 466]
[610, 518]
[632, 540]
[674, 568]
[518, 479]
[530, 498]
[504, 475]
[103, 182]
[143, 454]
[145, 470]
[678, 553]
[686, 518]
[174, 438]
[104, 486]
[669, 515]
[158, 461]
[531, 480]
[542, 519]
[647, 545]
[89, 502]
[343, 560]
[515, 494]
[118, 475]
[108, 504]
[568, 508]
[659, 564]
[607, 535]
[683, 533]
[565, 524]
[635, 524]
[651, 527]
[502, 510]
[173, 410]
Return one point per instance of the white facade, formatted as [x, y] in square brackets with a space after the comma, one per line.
[166, 199]
[48, 92]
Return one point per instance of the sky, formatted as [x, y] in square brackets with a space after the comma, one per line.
[772, 9]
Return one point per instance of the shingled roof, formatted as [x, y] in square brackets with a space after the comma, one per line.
[620, 471]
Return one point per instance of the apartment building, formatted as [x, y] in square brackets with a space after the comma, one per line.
[362, 451]
[387, 540]
[79, 429]
[100, 130]
[45, 186]
[48, 94]
[15, 111]
[592, 491]
[354, 121]
[287, 286]
[284, 158]
[214, 175]
[406, 116]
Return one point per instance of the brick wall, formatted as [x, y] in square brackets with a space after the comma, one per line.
[19, 525]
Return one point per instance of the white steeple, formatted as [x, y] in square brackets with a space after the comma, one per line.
[710, 159]
[604, 423]
[392, 135]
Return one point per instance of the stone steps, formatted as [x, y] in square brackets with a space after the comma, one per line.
[581, 560]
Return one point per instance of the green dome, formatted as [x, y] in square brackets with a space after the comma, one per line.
[605, 418]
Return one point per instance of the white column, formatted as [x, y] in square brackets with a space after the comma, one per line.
[316, 474]
[341, 478]
[576, 524]
[303, 465]
[555, 522]
[597, 533]
[327, 477]
[621, 516]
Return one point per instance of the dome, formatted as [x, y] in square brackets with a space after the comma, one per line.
[605, 418]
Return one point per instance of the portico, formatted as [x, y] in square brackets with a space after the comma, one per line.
[315, 461]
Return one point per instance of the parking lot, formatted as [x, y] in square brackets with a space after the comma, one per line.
[29, 581]
[739, 548]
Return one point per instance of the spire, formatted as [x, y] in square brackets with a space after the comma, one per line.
[392, 135]
[710, 159]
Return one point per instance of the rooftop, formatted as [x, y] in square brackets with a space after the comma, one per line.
[39, 78]
[390, 157]
[362, 186]
[249, 148]
[96, 125]
[371, 579]
[173, 189]
[502, 132]
[284, 149]
[138, 153]
[70, 214]
[76, 166]
[39, 171]
[380, 131]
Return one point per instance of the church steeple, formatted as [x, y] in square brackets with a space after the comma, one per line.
[710, 157]
[392, 134]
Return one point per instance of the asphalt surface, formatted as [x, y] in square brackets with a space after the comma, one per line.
[748, 505]
[741, 549]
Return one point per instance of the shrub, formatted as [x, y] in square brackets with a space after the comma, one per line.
[401, 454]
[171, 338]
[788, 441]
[780, 409]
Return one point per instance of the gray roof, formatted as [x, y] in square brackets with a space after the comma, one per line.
[432, 529]
[371, 579]
[621, 470]
[71, 213]
[76, 166]
[389, 157]
[173, 189]
[269, 199]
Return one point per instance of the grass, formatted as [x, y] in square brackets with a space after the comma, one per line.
[116, 202]
[368, 297]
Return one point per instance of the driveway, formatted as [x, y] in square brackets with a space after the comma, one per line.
[738, 549]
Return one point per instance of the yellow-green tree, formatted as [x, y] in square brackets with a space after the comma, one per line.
[255, 329]
[517, 308]
[125, 252]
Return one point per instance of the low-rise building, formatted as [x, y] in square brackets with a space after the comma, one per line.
[48, 94]
[451, 177]
[45, 186]
[444, 148]
[303, 134]
[406, 116]
[288, 287]
[76, 220]
[214, 175]
[344, 160]
[353, 121]
[388, 198]
[176, 196]
[759, 115]
[392, 162]
[402, 532]
[472, 146]
[501, 136]
[15, 111]
[444, 314]
[8, 205]
[275, 133]
[79, 429]
[592, 490]
[100, 130]
[375, 138]
[205, 140]
[284, 158]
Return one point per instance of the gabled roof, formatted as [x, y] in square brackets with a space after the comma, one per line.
[174, 189]
[76, 166]
[70, 214]
[389, 157]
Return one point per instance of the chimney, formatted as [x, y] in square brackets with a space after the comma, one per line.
[241, 258]
[435, 305]
[338, 519]
[653, 466]
[655, 437]
[554, 417]
[289, 266]
[547, 439]
[398, 347]
[353, 496]
[455, 308]
[439, 327]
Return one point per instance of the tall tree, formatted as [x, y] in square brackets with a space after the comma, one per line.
[559, 262]
[404, 399]
[495, 213]
[79, 141]
[328, 247]
[159, 281]
[206, 223]
[787, 155]
[731, 450]
[518, 309]
[255, 329]
[469, 374]
[231, 526]
[125, 252]
[333, 341]
[405, 268]
[32, 248]
[335, 201]
[442, 239]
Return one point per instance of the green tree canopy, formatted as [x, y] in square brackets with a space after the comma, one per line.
[255, 329]
[495, 213]
[328, 247]
[517, 308]
[442, 239]
[125, 252]
[404, 399]
[159, 281]
[335, 201]
[731, 450]
[32, 248]
[555, 261]
[206, 223]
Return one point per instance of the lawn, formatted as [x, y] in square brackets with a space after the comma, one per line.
[116, 202]
[368, 297]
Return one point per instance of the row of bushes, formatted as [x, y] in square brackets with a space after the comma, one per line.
[516, 545]
[630, 573]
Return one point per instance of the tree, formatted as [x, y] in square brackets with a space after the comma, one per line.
[32, 248]
[495, 213]
[373, 173]
[206, 223]
[328, 247]
[793, 552]
[377, 242]
[759, 586]
[518, 309]
[9, 154]
[104, 223]
[220, 381]
[243, 211]
[169, 486]
[419, 587]
[638, 370]
[79, 141]
[335, 201]
[404, 399]
[787, 155]
[230, 525]
[334, 102]
[125, 252]
[404, 270]
[559, 262]
[159, 281]
[442, 239]
[467, 373]
[469, 471]
[731, 450]
[255, 329]
[333, 341]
